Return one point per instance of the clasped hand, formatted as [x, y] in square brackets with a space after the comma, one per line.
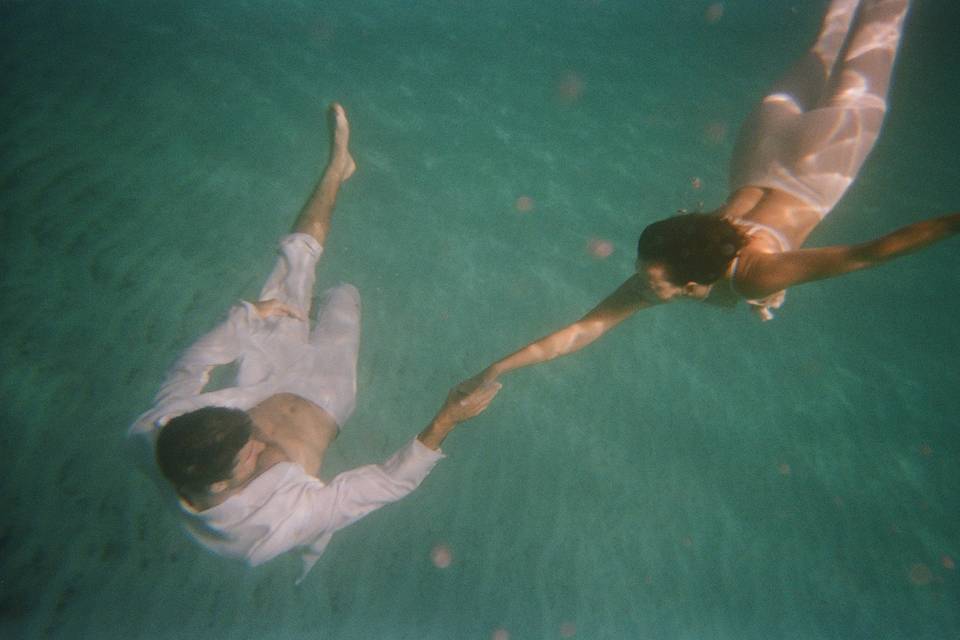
[463, 403]
[273, 307]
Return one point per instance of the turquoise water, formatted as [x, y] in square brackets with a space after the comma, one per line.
[696, 474]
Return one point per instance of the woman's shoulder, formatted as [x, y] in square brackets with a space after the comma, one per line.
[788, 219]
[751, 278]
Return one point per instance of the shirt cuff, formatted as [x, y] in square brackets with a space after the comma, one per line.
[422, 450]
[411, 464]
[312, 244]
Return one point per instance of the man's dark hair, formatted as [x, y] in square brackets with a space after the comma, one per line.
[694, 247]
[196, 449]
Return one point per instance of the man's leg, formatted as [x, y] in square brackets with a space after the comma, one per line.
[314, 219]
[292, 279]
[331, 380]
[335, 339]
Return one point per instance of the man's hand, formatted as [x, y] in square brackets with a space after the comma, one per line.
[460, 405]
[483, 379]
[272, 307]
[463, 403]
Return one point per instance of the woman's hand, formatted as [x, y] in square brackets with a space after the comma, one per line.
[462, 405]
[459, 406]
[486, 377]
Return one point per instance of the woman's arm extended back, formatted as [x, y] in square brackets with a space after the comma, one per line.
[761, 274]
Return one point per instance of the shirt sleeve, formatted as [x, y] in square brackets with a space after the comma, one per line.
[224, 344]
[317, 510]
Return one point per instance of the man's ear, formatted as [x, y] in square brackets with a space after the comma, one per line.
[696, 290]
[218, 487]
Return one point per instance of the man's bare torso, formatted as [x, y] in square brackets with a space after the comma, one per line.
[294, 430]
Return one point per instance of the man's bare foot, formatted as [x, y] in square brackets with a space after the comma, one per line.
[340, 159]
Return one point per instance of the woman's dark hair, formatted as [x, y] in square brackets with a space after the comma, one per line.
[196, 449]
[694, 247]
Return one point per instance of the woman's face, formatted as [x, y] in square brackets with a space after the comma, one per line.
[655, 275]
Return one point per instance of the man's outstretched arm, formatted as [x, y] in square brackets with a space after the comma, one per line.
[313, 511]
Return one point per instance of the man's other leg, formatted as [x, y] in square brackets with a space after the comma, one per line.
[336, 340]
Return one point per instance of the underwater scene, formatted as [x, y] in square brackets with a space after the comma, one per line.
[695, 474]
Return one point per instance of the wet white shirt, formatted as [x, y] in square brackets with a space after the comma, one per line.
[284, 508]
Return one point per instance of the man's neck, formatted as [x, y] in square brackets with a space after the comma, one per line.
[206, 501]
[270, 456]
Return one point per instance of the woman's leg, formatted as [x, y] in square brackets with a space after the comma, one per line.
[797, 91]
[834, 140]
[807, 80]
[814, 154]
[862, 78]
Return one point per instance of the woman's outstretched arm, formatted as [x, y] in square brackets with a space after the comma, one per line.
[612, 310]
[761, 274]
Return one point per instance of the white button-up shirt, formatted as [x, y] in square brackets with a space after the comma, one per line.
[284, 508]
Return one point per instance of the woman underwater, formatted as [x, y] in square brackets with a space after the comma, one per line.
[797, 154]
